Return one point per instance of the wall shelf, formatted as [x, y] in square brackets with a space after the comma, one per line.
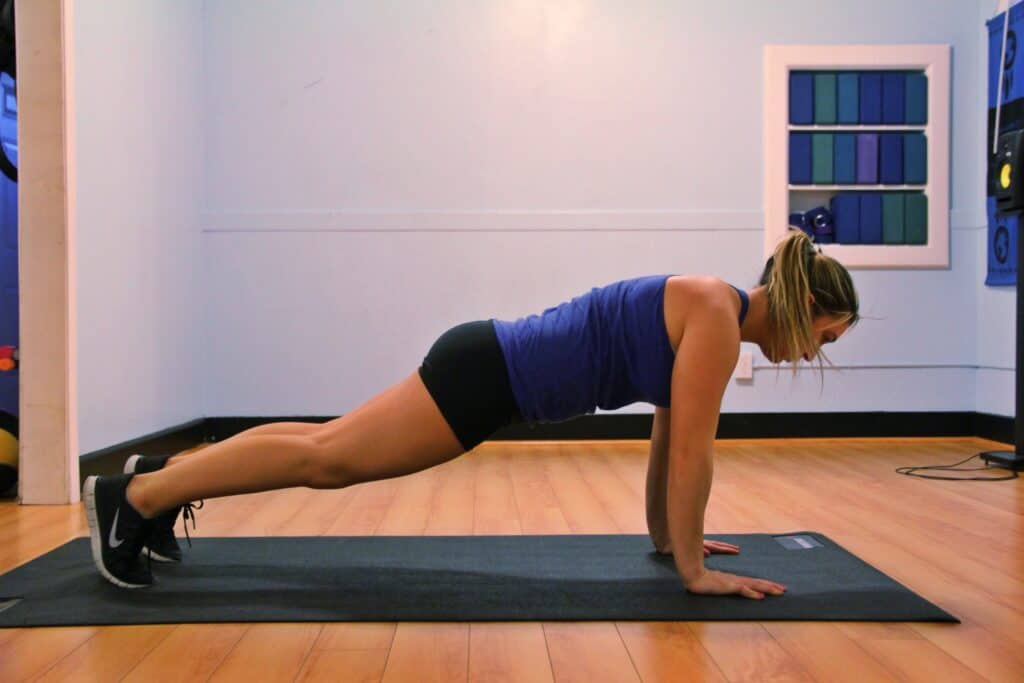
[857, 188]
[880, 127]
[780, 196]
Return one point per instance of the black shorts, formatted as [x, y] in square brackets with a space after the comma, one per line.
[465, 373]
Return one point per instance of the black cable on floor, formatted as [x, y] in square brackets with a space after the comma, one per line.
[910, 471]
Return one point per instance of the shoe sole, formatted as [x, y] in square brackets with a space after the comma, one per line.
[129, 468]
[157, 557]
[89, 498]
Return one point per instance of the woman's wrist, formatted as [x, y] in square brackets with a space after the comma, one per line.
[692, 573]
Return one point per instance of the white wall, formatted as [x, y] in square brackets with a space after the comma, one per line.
[996, 305]
[996, 350]
[290, 201]
[377, 172]
[137, 172]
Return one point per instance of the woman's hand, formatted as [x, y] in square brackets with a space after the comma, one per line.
[720, 547]
[712, 582]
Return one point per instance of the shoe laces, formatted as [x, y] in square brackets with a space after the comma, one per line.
[187, 513]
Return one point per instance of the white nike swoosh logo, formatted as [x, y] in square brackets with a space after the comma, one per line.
[114, 541]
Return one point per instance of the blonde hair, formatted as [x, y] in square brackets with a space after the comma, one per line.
[793, 274]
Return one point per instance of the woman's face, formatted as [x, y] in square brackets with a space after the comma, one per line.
[827, 329]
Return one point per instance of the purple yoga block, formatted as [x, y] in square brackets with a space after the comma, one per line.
[867, 158]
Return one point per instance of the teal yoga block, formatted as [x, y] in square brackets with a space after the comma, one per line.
[893, 219]
[824, 98]
[916, 218]
[822, 151]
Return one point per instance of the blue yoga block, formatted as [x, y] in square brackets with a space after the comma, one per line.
[800, 158]
[870, 97]
[890, 159]
[845, 158]
[867, 158]
[917, 99]
[801, 97]
[846, 217]
[915, 159]
[871, 218]
[848, 86]
[894, 99]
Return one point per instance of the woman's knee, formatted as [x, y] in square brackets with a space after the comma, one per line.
[327, 468]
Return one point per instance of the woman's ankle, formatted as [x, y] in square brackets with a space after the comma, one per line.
[135, 494]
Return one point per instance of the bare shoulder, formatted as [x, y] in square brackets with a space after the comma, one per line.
[692, 296]
[701, 289]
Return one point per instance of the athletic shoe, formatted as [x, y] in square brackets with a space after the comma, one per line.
[117, 530]
[161, 543]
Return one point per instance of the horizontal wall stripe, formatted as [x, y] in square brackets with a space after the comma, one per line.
[489, 220]
[968, 219]
[500, 220]
[241, 231]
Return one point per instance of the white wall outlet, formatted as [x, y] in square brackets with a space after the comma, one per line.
[745, 366]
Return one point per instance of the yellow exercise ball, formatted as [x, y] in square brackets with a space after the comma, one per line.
[8, 459]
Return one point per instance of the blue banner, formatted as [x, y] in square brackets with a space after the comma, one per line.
[1002, 229]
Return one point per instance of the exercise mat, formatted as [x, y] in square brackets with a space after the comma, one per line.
[455, 578]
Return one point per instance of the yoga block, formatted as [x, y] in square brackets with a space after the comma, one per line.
[867, 158]
[894, 98]
[871, 218]
[870, 97]
[824, 98]
[917, 99]
[890, 158]
[848, 97]
[845, 152]
[800, 158]
[801, 97]
[916, 218]
[893, 225]
[846, 217]
[915, 159]
[822, 159]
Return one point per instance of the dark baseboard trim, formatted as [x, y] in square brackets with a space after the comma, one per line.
[995, 427]
[780, 426]
[111, 460]
[593, 427]
[220, 428]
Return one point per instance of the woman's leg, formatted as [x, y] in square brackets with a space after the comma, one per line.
[397, 432]
[287, 428]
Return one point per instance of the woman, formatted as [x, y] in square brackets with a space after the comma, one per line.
[669, 340]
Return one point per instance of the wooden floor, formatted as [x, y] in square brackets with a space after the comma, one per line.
[959, 544]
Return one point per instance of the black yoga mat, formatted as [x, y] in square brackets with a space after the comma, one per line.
[455, 578]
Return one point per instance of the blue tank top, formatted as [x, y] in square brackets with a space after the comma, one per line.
[604, 349]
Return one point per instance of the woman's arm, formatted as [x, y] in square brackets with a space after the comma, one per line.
[657, 482]
[704, 362]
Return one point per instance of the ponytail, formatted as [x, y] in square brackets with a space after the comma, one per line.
[793, 274]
